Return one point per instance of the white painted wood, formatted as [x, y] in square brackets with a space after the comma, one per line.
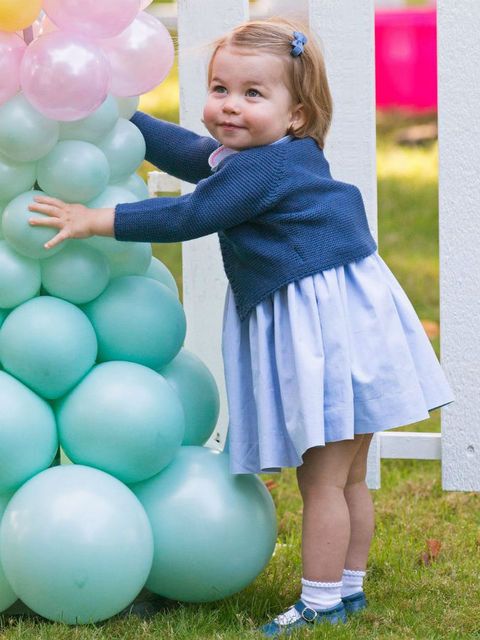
[204, 281]
[401, 444]
[297, 10]
[410, 445]
[390, 4]
[459, 201]
[346, 32]
[167, 13]
[160, 182]
[345, 29]
[373, 478]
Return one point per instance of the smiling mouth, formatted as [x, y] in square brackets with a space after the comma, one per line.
[229, 125]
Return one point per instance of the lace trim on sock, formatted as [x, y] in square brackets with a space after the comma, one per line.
[351, 572]
[312, 583]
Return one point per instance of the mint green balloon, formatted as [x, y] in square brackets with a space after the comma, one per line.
[213, 532]
[2, 207]
[24, 238]
[75, 544]
[136, 185]
[28, 433]
[198, 393]
[7, 597]
[122, 418]
[130, 259]
[95, 126]
[25, 134]
[15, 178]
[125, 149]
[3, 314]
[158, 271]
[124, 258]
[77, 274]
[109, 198]
[19, 277]
[127, 106]
[139, 320]
[73, 171]
[48, 344]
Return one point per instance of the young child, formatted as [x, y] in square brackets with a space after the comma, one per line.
[321, 345]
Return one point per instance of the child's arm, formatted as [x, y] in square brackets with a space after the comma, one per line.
[243, 189]
[174, 149]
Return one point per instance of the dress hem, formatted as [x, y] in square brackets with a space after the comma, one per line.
[278, 468]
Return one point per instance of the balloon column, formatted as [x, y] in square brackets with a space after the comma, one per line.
[91, 345]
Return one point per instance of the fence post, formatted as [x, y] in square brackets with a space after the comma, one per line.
[204, 282]
[346, 29]
[458, 26]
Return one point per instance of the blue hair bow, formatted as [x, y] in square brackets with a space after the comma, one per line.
[298, 42]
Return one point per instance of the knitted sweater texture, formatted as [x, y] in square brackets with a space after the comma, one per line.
[279, 214]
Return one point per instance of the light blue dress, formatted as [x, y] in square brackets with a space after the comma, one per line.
[321, 359]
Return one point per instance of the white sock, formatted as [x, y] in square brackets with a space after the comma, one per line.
[321, 595]
[316, 595]
[352, 582]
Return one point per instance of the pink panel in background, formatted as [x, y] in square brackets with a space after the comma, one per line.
[406, 58]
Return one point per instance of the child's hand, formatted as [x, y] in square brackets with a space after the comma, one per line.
[72, 220]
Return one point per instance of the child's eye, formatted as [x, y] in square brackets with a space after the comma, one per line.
[253, 93]
[218, 88]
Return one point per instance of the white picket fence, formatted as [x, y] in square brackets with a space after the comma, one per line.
[346, 30]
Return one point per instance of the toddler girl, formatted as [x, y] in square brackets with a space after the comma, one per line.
[321, 345]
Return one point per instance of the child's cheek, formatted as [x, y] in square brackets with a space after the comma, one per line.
[209, 114]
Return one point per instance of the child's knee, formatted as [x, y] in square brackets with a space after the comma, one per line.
[358, 468]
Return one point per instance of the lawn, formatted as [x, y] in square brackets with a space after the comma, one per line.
[411, 595]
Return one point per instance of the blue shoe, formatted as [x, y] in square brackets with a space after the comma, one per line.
[309, 616]
[355, 602]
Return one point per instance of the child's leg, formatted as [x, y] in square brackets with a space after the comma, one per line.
[326, 520]
[361, 510]
[326, 529]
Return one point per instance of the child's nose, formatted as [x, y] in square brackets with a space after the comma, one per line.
[231, 105]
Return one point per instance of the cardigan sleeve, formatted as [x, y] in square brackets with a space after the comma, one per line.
[174, 149]
[244, 187]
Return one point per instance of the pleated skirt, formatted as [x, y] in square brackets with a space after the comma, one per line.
[321, 359]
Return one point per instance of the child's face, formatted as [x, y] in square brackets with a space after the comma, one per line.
[248, 103]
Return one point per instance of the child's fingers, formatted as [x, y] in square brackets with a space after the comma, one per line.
[50, 210]
[46, 222]
[50, 200]
[60, 237]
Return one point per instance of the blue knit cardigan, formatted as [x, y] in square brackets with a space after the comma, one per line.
[279, 214]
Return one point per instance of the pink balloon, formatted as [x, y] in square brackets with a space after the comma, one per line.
[92, 18]
[65, 77]
[12, 49]
[140, 57]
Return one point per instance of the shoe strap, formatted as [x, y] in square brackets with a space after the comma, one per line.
[307, 613]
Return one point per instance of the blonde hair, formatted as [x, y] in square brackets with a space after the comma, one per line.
[306, 75]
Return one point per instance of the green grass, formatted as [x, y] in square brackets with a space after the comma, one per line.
[408, 600]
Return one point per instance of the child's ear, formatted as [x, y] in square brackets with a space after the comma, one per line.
[298, 118]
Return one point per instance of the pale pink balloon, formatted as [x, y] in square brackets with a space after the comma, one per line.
[64, 76]
[92, 18]
[140, 57]
[12, 50]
